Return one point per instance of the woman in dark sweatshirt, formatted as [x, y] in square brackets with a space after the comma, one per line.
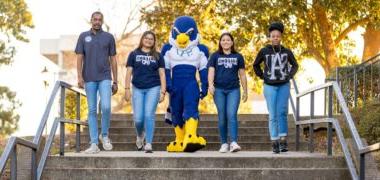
[280, 66]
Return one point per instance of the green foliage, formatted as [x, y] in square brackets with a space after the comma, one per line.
[367, 118]
[14, 20]
[314, 29]
[70, 109]
[8, 117]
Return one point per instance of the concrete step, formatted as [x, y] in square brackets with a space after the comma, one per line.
[202, 123]
[199, 165]
[211, 159]
[211, 146]
[201, 130]
[203, 117]
[199, 174]
[171, 137]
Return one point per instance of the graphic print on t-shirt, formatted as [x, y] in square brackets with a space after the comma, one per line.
[277, 63]
[227, 62]
[145, 60]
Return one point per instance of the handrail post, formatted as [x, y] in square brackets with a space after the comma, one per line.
[364, 85]
[371, 82]
[325, 102]
[339, 84]
[311, 127]
[329, 128]
[362, 167]
[77, 142]
[14, 163]
[34, 164]
[355, 88]
[62, 125]
[297, 125]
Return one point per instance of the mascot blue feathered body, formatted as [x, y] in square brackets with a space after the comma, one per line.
[184, 56]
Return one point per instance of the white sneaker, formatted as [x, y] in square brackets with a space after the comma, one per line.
[224, 148]
[234, 147]
[106, 143]
[148, 148]
[140, 142]
[93, 149]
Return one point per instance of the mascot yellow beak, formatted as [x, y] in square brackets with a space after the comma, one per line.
[183, 40]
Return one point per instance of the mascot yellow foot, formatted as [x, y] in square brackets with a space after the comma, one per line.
[192, 141]
[177, 145]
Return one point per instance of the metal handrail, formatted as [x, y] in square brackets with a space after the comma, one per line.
[50, 140]
[11, 147]
[333, 87]
[361, 66]
[356, 86]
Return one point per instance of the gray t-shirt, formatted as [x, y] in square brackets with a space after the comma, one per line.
[96, 49]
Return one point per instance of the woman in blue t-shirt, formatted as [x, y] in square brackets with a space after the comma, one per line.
[225, 68]
[147, 68]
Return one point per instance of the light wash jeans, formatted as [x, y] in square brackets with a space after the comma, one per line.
[227, 103]
[104, 89]
[277, 97]
[144, 102]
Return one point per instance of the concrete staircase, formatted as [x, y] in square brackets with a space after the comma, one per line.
[253, 133]
[256, 161]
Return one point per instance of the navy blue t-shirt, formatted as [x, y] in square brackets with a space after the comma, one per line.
[145, 69]
[226, 69]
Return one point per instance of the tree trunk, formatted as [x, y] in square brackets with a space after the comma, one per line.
[325, 32]
[371, 42]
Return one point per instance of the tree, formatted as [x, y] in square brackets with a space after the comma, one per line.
[14, 20]
[372, 32]
[316, 29]
[8, 117]
[211, 24]
[71, 109]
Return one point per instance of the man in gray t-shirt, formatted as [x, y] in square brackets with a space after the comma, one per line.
[96, 59]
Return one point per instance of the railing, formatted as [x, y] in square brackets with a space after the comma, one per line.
[10, 151]
[359, 83]
[332, 88]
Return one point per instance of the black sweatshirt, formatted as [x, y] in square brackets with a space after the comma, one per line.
[280, 65]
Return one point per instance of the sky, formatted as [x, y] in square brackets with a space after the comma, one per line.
[53, 18]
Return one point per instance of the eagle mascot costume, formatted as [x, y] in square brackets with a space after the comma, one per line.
[184, 56]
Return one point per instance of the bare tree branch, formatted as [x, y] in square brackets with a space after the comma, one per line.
[350, 28]
[133, 15]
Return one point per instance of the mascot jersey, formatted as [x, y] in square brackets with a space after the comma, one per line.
[184, 56]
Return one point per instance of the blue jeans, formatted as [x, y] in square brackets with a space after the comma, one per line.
[277, 102]
[227, 103]
[144, 102]
[104, 89]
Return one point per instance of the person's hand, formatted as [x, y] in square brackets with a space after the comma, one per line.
[114, 88]
[244, 98]
[80, 82]
[127, 96]
[162, 96]
[211, 90]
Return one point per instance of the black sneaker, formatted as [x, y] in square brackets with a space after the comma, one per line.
[283, 146]
[275, 147]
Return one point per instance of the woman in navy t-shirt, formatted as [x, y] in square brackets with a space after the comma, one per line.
[147, 68]
[225, 68]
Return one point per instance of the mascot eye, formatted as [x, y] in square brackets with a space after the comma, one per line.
[190, 32]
